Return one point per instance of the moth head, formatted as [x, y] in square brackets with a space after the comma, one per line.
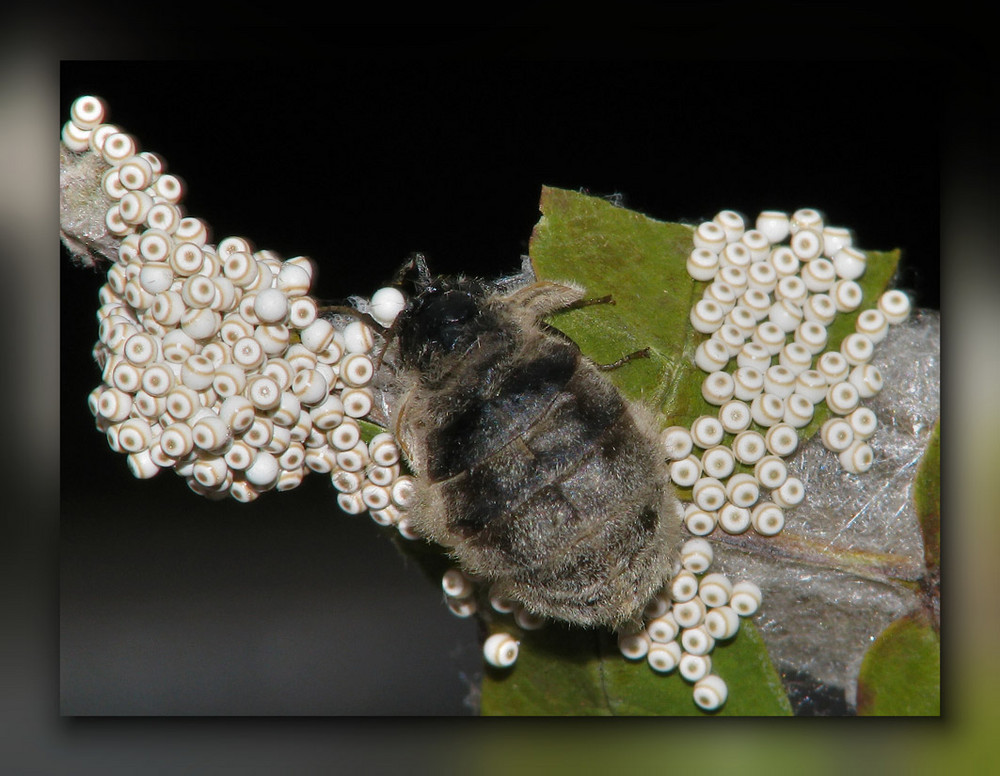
[444, 315]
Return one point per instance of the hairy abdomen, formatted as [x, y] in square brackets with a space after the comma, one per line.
[549, 485]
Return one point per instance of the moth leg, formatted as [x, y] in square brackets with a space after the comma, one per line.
[606, 299]
[644, 353]
[543, 298]
[417, 263]
[540, 299]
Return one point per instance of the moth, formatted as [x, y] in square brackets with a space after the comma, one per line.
[533, 471]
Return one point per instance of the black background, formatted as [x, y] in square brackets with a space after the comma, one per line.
[174, 605]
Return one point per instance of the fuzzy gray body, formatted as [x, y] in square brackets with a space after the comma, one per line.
[532, 469]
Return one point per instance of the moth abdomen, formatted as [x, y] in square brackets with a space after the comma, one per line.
[533, 470]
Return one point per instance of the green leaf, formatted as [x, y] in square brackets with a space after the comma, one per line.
[572, 672]
[755, 688]
[641, 262]
[369, 430]
[558, 672]
[901, 672]
[927, 499]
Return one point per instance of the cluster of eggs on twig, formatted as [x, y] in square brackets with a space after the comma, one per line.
[216, 362]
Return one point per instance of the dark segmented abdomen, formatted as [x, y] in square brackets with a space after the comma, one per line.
[549, 526]
[500, 409]
[554, 464]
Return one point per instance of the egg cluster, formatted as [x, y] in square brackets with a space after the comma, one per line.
[215, 360]
[501, 649]
[680, 627]
[685, 620]
[772, 293]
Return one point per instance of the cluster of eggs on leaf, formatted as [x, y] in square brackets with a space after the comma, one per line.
[772, 292]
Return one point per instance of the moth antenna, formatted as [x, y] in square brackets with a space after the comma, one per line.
[416, 263]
